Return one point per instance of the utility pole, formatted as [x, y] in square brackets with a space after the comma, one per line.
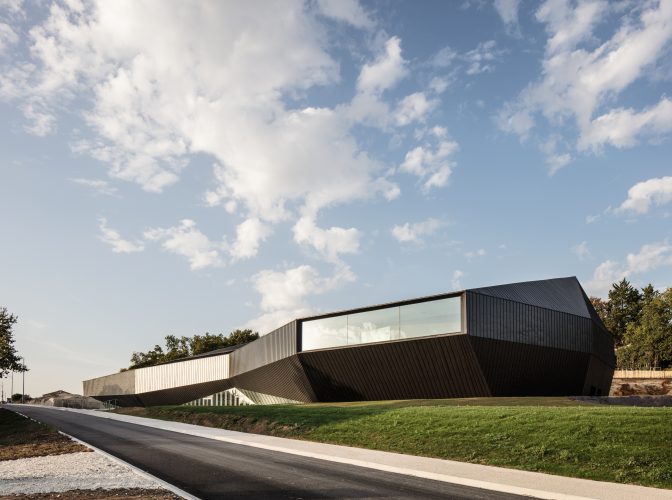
[12, 393]
[23, 390]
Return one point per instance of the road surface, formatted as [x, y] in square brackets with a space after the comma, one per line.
[211, 469]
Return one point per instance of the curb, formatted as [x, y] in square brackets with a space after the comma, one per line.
[173, 489]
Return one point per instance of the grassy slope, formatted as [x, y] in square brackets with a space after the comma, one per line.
[22, 438]
[553, 435]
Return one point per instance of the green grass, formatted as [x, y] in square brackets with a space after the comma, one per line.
[552, 435]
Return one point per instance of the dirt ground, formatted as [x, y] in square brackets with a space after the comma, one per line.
[128, 494]
[21, 437]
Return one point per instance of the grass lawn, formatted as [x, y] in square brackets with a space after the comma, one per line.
[552, 435]
[21, 437]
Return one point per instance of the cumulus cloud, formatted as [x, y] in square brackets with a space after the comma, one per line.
[385, 71]
[581, 77]
[432, 163]
[249, 234]
[284, 293]
[641, 196]
[188, 241]
[413, 232]
[348, 11]
[113, 238]
[329, 243]
[413, 108]
[649, 257]
[155, 99]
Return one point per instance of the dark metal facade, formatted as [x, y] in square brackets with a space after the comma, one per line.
[538, 338]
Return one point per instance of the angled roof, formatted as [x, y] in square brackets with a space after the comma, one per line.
[560, 294]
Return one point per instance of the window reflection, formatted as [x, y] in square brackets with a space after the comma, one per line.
[322, 333]
[373, 326]
[423, 319]
[430, 318]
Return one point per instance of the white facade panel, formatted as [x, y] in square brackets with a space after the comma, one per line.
[194, 371]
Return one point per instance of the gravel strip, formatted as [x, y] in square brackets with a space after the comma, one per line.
[74, 471]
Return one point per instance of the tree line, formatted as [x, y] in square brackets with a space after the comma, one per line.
[184, 347]
[641, 322]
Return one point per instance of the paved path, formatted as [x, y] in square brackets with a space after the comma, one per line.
[209, 468]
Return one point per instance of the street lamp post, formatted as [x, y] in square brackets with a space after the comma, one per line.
[23, 389]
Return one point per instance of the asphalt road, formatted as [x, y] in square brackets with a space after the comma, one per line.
[213, 469]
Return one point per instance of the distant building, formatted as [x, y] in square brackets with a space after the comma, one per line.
[538, 338]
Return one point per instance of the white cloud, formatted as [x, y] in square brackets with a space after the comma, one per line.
[329, 243]
[622, 127]
[414, 107]
[508, 11]
[583, 77]
[163, 83]
[592, 219]
[641, 196]
[98, 185]
[482, 58]
[444, 57]
[455, 282]
[439, 84]
[581, 250]
[432, 165]
[284, 293]
[114, 239]
[7, 37]
[186, 240]
[414, 232]
[249, 234]
[384, 72]
[470, 255]
[349, 11]
[649, 257]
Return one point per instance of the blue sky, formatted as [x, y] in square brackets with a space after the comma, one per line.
[176, 168]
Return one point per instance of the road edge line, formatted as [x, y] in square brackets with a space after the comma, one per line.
[435, 476]
[170, 487]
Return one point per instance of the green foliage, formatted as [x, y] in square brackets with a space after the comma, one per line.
[622, 444]
[9, 358]
[625, 305]
[17, 397]
[649, 340]
[641, 323]
[183, 347]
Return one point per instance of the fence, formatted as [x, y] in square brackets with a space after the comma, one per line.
[643, 374]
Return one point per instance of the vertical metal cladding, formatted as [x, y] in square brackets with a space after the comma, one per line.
[181, 373]
[274, 346]
[504, 319]
[431, 367]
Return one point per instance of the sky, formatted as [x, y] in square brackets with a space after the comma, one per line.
[186, 167]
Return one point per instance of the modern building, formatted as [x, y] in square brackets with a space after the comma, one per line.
[538, 338]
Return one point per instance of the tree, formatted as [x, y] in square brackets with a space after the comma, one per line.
[18, 398]
[183, 347]
[242, 337]
[649, 339]
[9, 358]
[625, 305]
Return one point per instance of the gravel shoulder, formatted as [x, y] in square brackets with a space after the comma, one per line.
[38, 462]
